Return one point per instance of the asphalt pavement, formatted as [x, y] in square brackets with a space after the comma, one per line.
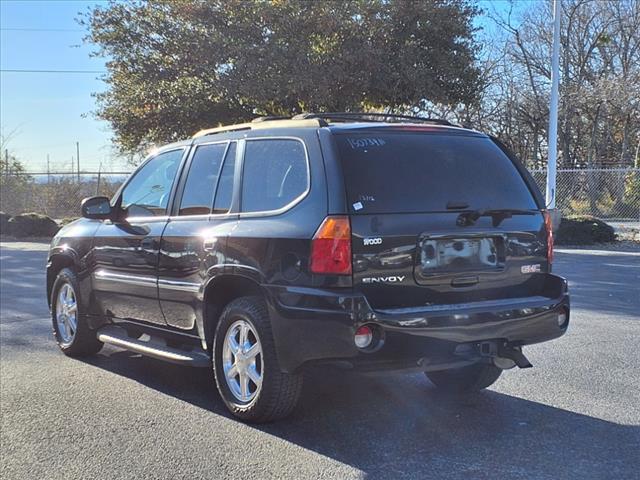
[576, 414]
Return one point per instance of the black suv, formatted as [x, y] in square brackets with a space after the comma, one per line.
[368, 242]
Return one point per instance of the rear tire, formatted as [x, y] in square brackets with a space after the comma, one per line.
[465, 379]
[246, 367]
[70, 327]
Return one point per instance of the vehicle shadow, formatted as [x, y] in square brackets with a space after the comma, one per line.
[401, 427]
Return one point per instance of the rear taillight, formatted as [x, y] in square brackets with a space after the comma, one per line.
[548, 226]
[331, 247]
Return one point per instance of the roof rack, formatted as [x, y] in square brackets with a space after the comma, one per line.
[262, 123]
[319, 120]
[268, 118]
[228, 128]
[376, 117]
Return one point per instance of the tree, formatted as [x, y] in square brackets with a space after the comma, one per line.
[15, 183]
[599, 116]
[175, 67]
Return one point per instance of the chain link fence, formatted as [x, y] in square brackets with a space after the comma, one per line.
[57, 195]
[610, 194]
[606, 193]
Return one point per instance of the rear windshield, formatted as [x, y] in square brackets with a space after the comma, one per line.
[421, 172]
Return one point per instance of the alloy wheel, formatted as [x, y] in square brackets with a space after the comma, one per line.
[67, 314]
[242, 361]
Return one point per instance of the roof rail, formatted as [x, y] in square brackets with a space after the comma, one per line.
[376, 117]
[228, 128]
[319, 120]
[268, 118]
[262, 123]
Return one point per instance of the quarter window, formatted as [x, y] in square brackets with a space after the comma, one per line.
[147, 193]
[225, 184]
[204, 171]
[275, 173]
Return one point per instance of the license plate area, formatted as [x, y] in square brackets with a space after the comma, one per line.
[454, 255]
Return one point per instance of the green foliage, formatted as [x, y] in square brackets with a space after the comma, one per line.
[14, 184]
[175, 67]
[12, 173]
[632, 189]
[32, 225]
[583, 230]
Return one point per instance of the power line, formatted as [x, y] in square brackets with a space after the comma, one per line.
[41, 30]
[4, 70]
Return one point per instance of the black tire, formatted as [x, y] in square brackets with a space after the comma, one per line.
[280, 391]
[84, 341]
[465, 379]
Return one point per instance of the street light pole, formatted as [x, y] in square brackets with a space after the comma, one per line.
[553, 110]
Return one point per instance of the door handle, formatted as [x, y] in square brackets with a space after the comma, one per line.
[209, 244]
[148, 244]
[464, 281]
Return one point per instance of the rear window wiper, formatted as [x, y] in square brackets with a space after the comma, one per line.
[497, 215]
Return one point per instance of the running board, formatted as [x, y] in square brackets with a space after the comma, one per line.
[152, 348]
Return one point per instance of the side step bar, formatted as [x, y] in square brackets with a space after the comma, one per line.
[153, 348]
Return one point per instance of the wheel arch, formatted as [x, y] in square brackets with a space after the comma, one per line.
[218, 293]
[57, 262]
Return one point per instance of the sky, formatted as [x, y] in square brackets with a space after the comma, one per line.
[47, 113]
[44, 113]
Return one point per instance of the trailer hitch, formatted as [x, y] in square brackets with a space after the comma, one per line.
[515, 354]
[503, 355]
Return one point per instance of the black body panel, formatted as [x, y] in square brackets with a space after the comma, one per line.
[125, 266]
[388, 253]
[320, 324]
[191, 252]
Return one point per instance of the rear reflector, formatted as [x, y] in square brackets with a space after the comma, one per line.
[363, 337]
[331, 247]
[548, 225]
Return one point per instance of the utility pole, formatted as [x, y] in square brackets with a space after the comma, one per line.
[48, 170]
[98, 182]
[553, 110]
[78, 159]
[6, 159]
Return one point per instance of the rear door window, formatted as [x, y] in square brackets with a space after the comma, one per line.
[275, 174]
[399, 172]
[202, 180]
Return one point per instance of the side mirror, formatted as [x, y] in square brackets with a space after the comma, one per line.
[96, 207]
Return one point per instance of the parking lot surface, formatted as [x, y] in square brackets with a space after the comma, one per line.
[576, 414]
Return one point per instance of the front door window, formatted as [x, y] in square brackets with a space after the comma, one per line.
[147, 194]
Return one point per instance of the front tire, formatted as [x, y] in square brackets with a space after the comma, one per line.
[246, 367]
[465, 379]
[70, 327]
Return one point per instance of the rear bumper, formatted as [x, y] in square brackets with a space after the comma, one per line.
[313, 324]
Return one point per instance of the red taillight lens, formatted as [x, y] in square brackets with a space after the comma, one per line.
[331, 247]
[548, 225]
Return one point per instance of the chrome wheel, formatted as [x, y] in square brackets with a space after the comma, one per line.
[242, 361]
[67, 314]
